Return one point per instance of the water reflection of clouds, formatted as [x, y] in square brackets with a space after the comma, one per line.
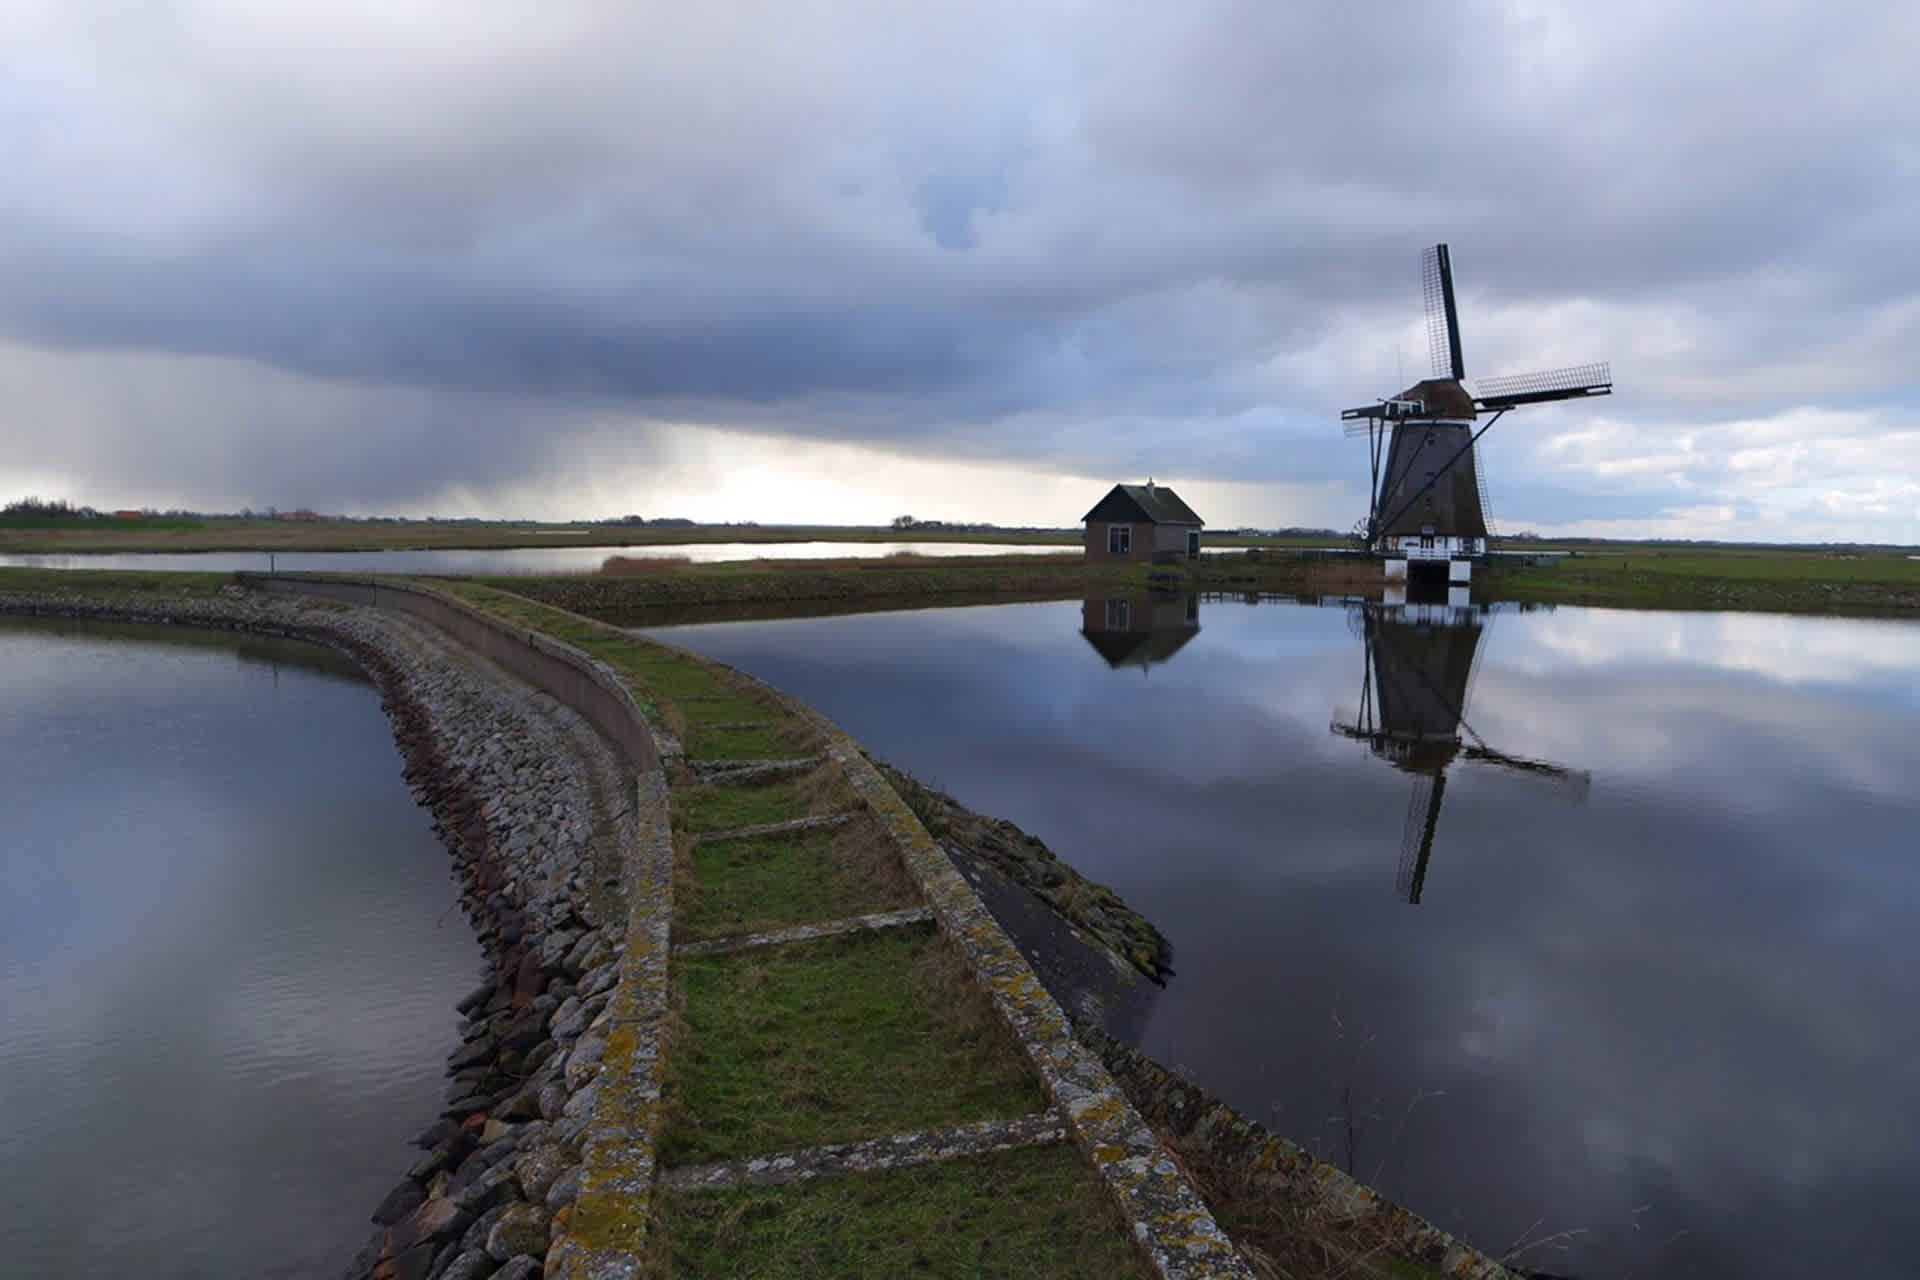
[213, 880]
[1871, 654]
[1697, 730]
[1687, 1020]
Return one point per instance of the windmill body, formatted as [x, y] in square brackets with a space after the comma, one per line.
[1428, 503]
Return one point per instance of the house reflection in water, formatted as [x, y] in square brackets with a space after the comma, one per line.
[1413, 695]
[1140, 629]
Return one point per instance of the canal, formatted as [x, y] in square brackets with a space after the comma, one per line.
[229, 953]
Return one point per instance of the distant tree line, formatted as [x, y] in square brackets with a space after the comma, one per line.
[908, 524]
[31, 508]
[641, 522]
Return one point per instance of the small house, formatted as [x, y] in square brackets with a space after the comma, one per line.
[1144, 523]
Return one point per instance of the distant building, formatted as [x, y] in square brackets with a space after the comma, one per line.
[128, 515]
[302, 514]
[1142, 522]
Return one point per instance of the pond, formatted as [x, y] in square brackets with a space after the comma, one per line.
[1580, 930]
[230, 948]
[532, 561]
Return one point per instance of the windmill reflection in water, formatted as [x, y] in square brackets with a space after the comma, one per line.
[1420, 660]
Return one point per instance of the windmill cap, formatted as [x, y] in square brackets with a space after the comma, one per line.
[1444, 398]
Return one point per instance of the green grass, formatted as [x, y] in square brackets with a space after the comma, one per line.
[656, 675]
[834, 1041]
[773, 742]
[753, 886]
[723, 806]
[723, 708]
[1033, 1214]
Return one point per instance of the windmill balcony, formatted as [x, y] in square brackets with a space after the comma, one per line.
[1430, 547]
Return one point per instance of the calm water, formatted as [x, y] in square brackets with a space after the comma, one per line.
[229, 950]
[1655, 1003]
[516, 560]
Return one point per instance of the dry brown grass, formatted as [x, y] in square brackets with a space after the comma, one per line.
[1284, 1227]
[873, 862]
[644, 566]
[826, 790]
[962, 1006]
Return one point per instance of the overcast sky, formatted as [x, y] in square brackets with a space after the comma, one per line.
[971, 260]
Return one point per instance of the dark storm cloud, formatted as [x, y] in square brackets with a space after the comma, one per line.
[1002, 231]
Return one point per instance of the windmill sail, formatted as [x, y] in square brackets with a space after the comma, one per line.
[1538, 388]
[1443, 321]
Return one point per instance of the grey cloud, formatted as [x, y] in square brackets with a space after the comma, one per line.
[933, 237]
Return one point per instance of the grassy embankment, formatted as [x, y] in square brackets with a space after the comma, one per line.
[810, 1043]
[781, 1048]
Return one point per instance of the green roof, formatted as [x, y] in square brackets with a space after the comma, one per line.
[1150, 502]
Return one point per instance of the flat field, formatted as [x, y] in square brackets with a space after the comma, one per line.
[1769, 579]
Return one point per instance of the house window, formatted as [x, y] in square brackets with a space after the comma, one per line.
[1118, 615]
[1193, 543]
[1119, 539]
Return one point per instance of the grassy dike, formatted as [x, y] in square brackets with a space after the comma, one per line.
[795, 1036]
[798, 1041]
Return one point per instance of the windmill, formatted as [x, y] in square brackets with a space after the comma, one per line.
[1420, 661]
[1428, 502]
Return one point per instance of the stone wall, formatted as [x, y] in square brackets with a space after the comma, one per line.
[544, 663]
